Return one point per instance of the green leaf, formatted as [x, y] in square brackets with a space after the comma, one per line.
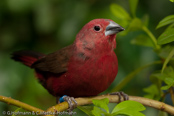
[142, 40]
[169, 27]
[171, 54]
[103, 103]
[119, 12]
[166, 37]
[169, 82]
[167, 20]
[130, 108]
[171, 0]
[166, 87]
[97, 111]
[86, 109]
[133, 6]
[135, 24]
[122, 17]
[156, 78]
[157, 75]
[168, 73]
[152, 92]
[161, 113]
[167, 76]
[16, 111]
[164, 51]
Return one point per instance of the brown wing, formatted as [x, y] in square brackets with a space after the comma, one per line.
[55, 62]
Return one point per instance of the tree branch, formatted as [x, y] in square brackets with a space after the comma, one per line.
[84, 101]
[17, 103]
[114, 99]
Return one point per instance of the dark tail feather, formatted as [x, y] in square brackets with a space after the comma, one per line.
[26, 57]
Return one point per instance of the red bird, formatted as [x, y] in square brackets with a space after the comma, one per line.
[85, 68]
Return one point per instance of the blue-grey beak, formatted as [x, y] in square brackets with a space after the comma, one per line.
[113, 28]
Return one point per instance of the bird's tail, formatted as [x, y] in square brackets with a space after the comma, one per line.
[26, 57]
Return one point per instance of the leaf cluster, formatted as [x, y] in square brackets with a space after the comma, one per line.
[128, 108]
[162, 80]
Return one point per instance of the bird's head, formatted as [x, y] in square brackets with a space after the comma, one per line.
[98, 34]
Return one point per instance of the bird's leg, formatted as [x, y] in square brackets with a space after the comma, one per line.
[121, 94]
[70, 101]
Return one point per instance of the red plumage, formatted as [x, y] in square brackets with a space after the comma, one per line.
[26, 57]
[85, 68]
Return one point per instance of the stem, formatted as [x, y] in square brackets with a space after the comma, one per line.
[172, 94]
[154, 40]
[131, 75]
[167, 60]
[164, 95]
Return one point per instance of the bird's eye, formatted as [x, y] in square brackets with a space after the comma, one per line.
[97, 28]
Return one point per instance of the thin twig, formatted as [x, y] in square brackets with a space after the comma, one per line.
[153, 38]
[131, 75]
[164, 95]
[172, 94]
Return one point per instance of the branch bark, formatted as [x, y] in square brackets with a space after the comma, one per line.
[84, 101]
[17, 103]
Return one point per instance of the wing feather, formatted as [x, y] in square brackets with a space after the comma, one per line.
[55, 62]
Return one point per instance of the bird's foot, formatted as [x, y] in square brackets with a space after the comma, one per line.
[120, 95]
[70, 101]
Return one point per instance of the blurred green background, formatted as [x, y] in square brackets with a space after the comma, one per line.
[48, 25]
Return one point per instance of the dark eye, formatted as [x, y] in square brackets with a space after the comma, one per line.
[96, 28]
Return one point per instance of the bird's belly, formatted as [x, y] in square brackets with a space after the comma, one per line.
[100, 75]
[87, 79]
